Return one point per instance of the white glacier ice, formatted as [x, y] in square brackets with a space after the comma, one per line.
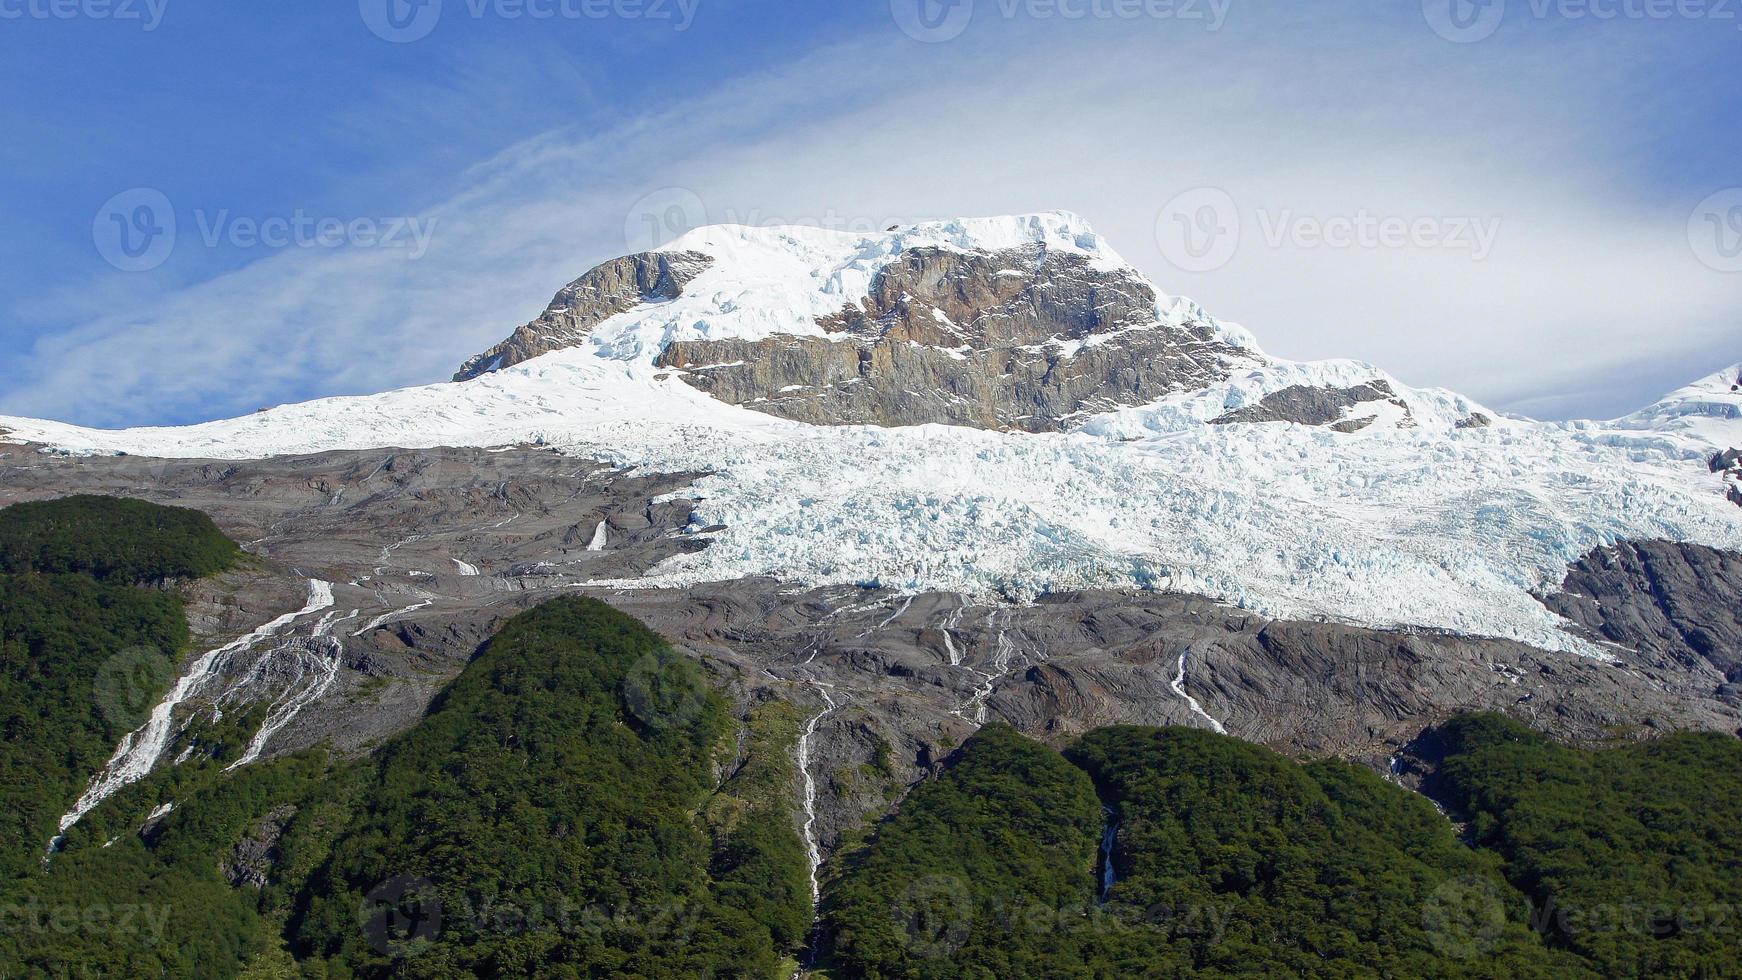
[1407, 523]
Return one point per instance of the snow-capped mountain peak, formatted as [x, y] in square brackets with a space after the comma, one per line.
[1027, 322]
[1710, 408]
[1056, 231]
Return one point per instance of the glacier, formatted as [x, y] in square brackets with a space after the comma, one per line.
[1413, 522]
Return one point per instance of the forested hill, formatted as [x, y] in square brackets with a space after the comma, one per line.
[552, 816]
[1220, 858]
[1631, 857]
[559, 811]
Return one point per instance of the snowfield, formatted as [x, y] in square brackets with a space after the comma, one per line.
[1408, 523]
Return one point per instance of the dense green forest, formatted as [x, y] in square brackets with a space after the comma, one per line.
[1632, 856]
[1322, 869]
[579, 802]
[112, 540]
[1229, 860]
[981, 872]
[557, 813]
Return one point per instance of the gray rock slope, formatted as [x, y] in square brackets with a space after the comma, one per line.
[1331, 407]
[430, 550]
[1675, 604]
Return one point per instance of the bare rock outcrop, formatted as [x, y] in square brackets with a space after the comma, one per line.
[1338, 408]
[616, 287]
[250, 864]
[1677, 604]
[1023, 339]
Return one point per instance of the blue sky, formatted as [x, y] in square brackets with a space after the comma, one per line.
[1558, 169]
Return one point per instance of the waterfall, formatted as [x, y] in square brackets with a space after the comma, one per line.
[1108, 835]
[812, 850]
[139, 750]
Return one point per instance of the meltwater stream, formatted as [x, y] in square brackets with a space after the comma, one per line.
[812, 850]
[139, 750]
[316, 662]
[1179, 688]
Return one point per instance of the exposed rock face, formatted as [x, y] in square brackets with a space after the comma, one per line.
[919, 674]
[1673, 603]
[616, 287]
[250, 864]
[1728, 464]
[1338, 408]
[1019, 339]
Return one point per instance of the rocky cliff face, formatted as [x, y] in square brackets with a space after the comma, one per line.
[1342, 409]
[930, 324]
[616, 287]
[1018, 339]
[1671, 603]
[1025, 338]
